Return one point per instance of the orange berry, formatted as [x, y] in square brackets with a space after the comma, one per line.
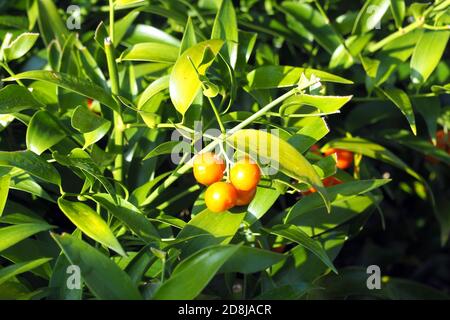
[220, 196]
[245, 175]
[315, 149]
[331, 181]
[327, 182]
[279, 249]
[344, 157]
[245, 197]
[208, 168]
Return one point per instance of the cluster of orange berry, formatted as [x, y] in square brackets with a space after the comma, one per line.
[220, 195]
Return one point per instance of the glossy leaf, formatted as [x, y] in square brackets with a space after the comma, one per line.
[286, 76]
[225, 28]
[338, 193]
[4, 188]
[186, 282]
[427, 54]
[315, 23]
[20, 46]
[151, 51]
[43, 132]
[250, 260]
[401, 100]
[132, 217]
[189, 38]
[9, 236]
[184, 80]
[104, 279]
[89, 221]
[14, 98]
[31, 163]
[92, 126]
[370, 16]
[295, 234]
[71, 83]
[16, 269]
[155, 87]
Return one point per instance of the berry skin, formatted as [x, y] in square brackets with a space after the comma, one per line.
[245, 175]
[245, 197]
[327, 182]
[220, 196]
[208, 168]
[344, 157]
[443, 143]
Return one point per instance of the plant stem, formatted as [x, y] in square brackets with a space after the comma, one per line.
[11, 73]
[118, 123]
[111, 20]
[216, 113]
[393, 36]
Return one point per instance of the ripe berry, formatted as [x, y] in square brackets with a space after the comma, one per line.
[245, 175]
[327, 182]
[208, 168]
[220, 196]
[245, 197]
[344, 157]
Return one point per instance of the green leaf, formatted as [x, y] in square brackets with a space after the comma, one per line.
[315, 23]
[279, 154]
[89, 221]
[91, 125]
[264, 199]
[167, 148]
[370, 16]
[398, 9]
[4, 189]
[372, 150]
[295, 234]
[326, 104]
[184, 80]
[20, 46]
[15, 98]
[50, 22]
[69, 82]
[401, 100]
[151, 51]
[43, 132]
[104, 278]
[317, 221]
[420, 145]
[189, 38]
[19, 268]
[250, 260]
[427, 54]
[314, 129]
[153, 88]
[20, 180]
[337, 194]
[9, 236]
[186, 282]
[212, 229]
[132, 217]
[58, 282]
[225, 28]
[267, 77]
[80, 159]
[31, 163]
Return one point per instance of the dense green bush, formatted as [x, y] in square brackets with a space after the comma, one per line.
[96, 96]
